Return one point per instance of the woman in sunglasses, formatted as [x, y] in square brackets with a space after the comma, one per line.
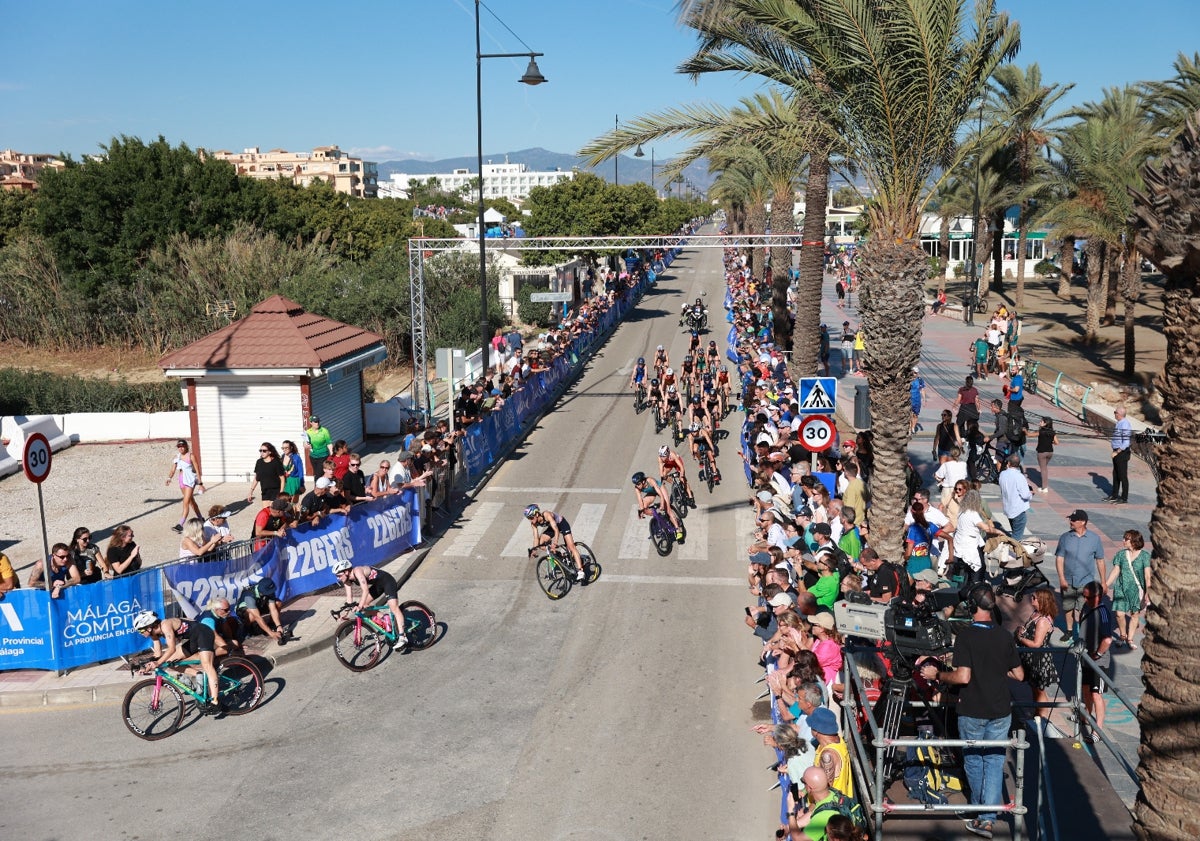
[269, 474]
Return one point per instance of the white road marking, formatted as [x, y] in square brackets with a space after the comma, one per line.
[586, 525]
[472, 531]
[670, 579]
[635, 540]
[695, 548]
[553, 491]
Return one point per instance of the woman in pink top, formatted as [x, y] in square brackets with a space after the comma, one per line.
[827, 646]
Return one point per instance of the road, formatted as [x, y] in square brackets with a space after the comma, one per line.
[620, 712]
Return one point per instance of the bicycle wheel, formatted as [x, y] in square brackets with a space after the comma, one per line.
[591, 568]
[710, 475]
[358, 647]
[241, 685]
[662, 538]
[150, 712]
[679, 499]
[419, 625]
[551, 578]
[682, 530]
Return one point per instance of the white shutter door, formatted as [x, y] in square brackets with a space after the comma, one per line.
[236, 416]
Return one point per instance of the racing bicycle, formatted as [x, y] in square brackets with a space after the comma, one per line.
[662, 532]
[677, 495]
[556, 568]
[153, 708]
[368, 634]
[639, 398]
[709, 473]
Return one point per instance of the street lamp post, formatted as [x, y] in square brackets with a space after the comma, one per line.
[640, 154]
[616, 157]
[533, 76]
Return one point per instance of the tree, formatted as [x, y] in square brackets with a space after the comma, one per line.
[16, 214]
[847, 196]
[896, 79]
[1019, 105]
[1173, 101]
[1168, 233]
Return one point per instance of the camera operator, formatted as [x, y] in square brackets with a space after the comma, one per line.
[882, 584]
[984, 656]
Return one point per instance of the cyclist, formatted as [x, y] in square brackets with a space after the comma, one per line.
[668, 377]
[374, 583]
[708, 389]
[183, 637]
[639, 373]
[672, 408]
[649, 492]
[699, 433]
[724, 389]
[660, 361]
[694, 343]
[553, 529]
[713, 355]
[698, 415]
[669, 460]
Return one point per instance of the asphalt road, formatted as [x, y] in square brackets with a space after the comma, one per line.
[620, 712]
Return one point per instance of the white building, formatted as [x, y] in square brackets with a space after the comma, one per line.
[507, 180]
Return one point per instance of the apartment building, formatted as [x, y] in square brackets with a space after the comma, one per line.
[507, 180]
[20, 170]
[349, 175]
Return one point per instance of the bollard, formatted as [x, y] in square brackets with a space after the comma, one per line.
[862, 407]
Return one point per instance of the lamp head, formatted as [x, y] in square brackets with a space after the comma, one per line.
[533, 76]
[639, 153]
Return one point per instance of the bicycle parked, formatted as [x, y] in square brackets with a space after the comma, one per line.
[368, 634]
[154, 708]
[556, 568]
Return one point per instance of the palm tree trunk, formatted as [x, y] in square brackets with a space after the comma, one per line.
[1021, 237]
[1112, 286]
[1095, 289]
[997, 252]
[1131, 290]
[756, 223]
[806, 343]
[1066, 258]
[943, 251]
[783, 221]
[892, 304]
[1169, 234]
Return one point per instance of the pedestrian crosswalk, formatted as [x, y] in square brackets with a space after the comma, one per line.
[491, 523]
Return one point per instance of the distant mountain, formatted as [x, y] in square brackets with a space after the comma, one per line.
[629, 169]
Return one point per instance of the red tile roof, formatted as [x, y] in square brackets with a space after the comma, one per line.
[278, 333]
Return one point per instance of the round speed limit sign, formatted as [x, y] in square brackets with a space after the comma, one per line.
[37, 458]
[816, 433]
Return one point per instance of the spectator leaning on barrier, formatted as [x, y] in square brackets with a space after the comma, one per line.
[8, 577]
[123, 555]
[63, 573]
[271, 522]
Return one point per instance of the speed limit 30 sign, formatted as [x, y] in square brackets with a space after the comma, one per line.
[36, 459]
[816, 433]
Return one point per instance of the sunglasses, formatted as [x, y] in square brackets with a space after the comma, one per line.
[355, 463]
[264, 451]
[62, 557]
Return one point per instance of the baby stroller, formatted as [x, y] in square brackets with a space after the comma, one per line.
[981, 467]
[1016, 562]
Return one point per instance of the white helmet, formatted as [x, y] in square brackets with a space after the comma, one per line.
[660, 347]
[670, 389]
[664, 451]
[144, 620]
[670, 372]
[340, 566]
[695, 427]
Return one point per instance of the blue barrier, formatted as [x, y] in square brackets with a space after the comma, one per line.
[485, 440]
[85, 624]
[91, 622]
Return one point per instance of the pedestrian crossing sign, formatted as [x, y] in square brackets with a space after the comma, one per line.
[818, 395]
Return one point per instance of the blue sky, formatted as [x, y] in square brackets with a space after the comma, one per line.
[396, 79]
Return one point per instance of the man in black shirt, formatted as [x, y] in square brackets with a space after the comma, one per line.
[882, 585]
[985, 657]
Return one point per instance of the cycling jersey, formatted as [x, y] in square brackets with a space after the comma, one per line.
[673, 463]
[564, 528]
[195, 637]
[639, 373]
[380, 583]
[669, 379]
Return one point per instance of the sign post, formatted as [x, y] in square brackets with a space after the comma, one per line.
[818, 401]
[36, 461]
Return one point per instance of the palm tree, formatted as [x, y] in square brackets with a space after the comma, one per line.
[1168, 233]
[1019, 105]
[1173, 101]
[1099, 161]
[896, 78]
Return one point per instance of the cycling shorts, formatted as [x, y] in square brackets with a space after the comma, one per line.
[564, 528]
[381, 583]
[198, 637]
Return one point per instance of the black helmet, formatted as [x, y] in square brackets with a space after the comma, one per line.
[654, 382]
[638, 478]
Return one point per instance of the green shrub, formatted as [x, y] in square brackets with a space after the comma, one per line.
[1046, 268]
[539, 315]
[29, 392]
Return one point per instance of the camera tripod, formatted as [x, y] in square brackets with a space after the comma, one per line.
[889, 728]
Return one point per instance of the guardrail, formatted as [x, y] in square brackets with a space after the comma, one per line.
[1073, 396]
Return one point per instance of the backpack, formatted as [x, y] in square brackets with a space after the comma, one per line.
[843, 805]
[845, 569]
[927, 776]
[1014, 427]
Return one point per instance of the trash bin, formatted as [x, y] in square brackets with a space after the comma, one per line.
[862, 407]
